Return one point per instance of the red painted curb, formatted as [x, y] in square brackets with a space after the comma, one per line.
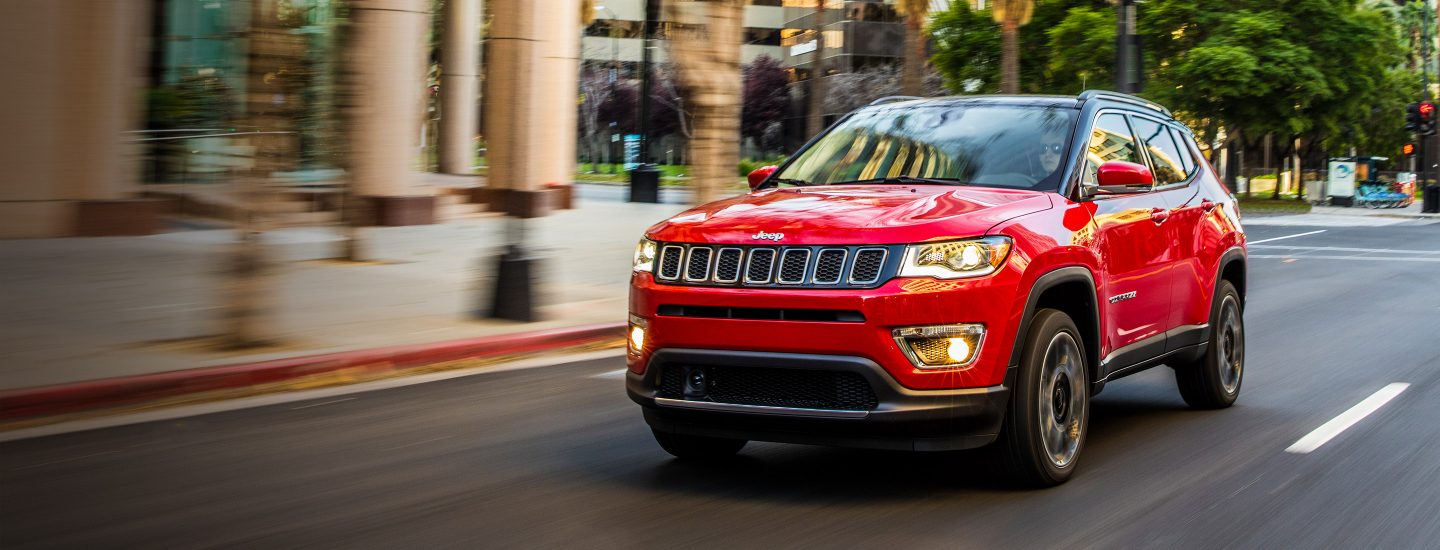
[94, 394]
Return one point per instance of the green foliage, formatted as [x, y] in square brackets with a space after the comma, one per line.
[1083, 49]
[1332, 72]
[967, 49]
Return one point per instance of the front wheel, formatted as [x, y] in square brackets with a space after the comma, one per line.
[1050, 408]
[1213, 382]
[695, 447]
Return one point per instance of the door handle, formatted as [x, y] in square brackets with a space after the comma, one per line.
[1159, 215]
[1208, 204]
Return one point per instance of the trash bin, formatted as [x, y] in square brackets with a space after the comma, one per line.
[645, 183]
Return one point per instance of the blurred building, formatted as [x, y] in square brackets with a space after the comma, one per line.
[614, 38]
[120, 102]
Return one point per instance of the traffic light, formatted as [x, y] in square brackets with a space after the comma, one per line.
[1426, 112]
[1408, 149]
[1412, 117]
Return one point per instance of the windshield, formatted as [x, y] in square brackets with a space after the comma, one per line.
[1018, 146]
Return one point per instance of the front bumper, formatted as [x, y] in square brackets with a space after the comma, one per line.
[903, 419]
[993, 301]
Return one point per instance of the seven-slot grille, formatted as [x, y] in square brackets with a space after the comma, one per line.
[775, 266]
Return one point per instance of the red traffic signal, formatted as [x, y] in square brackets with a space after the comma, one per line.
[1426, 110]
[1407, 149]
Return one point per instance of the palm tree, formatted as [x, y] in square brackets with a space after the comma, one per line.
[706, 53]
[1011, 15]
[912, 81]
[816, 96]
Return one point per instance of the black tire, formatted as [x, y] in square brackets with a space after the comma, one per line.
[1213, 381]
[1053, 375]
[696, 447]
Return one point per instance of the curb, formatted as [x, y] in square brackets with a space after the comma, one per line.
[25, 403]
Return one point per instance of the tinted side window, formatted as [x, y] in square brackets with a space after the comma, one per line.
[1110, 139]
[1187, 154]
[1165, 154]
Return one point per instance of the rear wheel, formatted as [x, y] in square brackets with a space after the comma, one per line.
[1213, 382]
[695, 447]
[1050, 405]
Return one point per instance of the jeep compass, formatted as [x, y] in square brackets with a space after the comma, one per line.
[940, 274]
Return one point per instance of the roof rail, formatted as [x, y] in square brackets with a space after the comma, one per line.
[893, 99]
[1123, 98]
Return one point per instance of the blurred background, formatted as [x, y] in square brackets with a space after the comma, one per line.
[203, 200]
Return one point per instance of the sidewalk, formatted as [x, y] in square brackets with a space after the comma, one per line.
[1411, 212]
[86, 309]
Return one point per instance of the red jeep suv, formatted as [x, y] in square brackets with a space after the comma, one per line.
[938, 274]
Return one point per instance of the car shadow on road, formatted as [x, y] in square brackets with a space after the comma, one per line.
[1128, 414]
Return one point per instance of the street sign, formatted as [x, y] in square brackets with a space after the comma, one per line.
[632, 151]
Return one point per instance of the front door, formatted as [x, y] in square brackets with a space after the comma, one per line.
[1136, 257]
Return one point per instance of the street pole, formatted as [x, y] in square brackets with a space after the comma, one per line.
[1127, 50]
[645, 179]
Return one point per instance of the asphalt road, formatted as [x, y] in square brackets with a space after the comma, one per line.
[559, 457]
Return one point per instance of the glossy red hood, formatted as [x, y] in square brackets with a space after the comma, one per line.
[851, 214]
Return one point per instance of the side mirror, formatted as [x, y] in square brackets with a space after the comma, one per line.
[1118, 177]
[760, 175]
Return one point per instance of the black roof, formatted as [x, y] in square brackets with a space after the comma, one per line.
[1074, 102]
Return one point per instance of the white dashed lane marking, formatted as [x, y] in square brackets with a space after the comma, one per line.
[612, 375]
[1252, 243]
[1339, 424]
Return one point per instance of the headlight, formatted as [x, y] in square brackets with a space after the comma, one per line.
[955, 259]
[942, 346]
[644, 255]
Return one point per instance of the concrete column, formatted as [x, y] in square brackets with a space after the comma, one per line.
[387, 64]
[532, 78]
[75, 69]
[459, 85]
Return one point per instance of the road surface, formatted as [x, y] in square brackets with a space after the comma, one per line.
[1338, 318]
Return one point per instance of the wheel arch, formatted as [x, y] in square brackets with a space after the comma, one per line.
[1072, 290]
[1233, 267]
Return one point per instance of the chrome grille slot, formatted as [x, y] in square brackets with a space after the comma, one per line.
[697, 264]
[762, 262]
[794, 262]
[670, 260]
[828, 266]
[869, 263]
[735, 265]
[727, 265]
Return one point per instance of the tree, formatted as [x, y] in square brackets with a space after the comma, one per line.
[672, 114]
[595, 92]
[815, 96]
[967, 49]
[912, 81]
[706, 50]
[857, 89]
[1011, 15]
[766, 98]
[1083, 46]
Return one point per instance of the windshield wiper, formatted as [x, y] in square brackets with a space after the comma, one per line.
[788, 181]
[903, 180]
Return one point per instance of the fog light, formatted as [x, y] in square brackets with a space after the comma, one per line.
[636, 341]
[959, 350]
[941, 346]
